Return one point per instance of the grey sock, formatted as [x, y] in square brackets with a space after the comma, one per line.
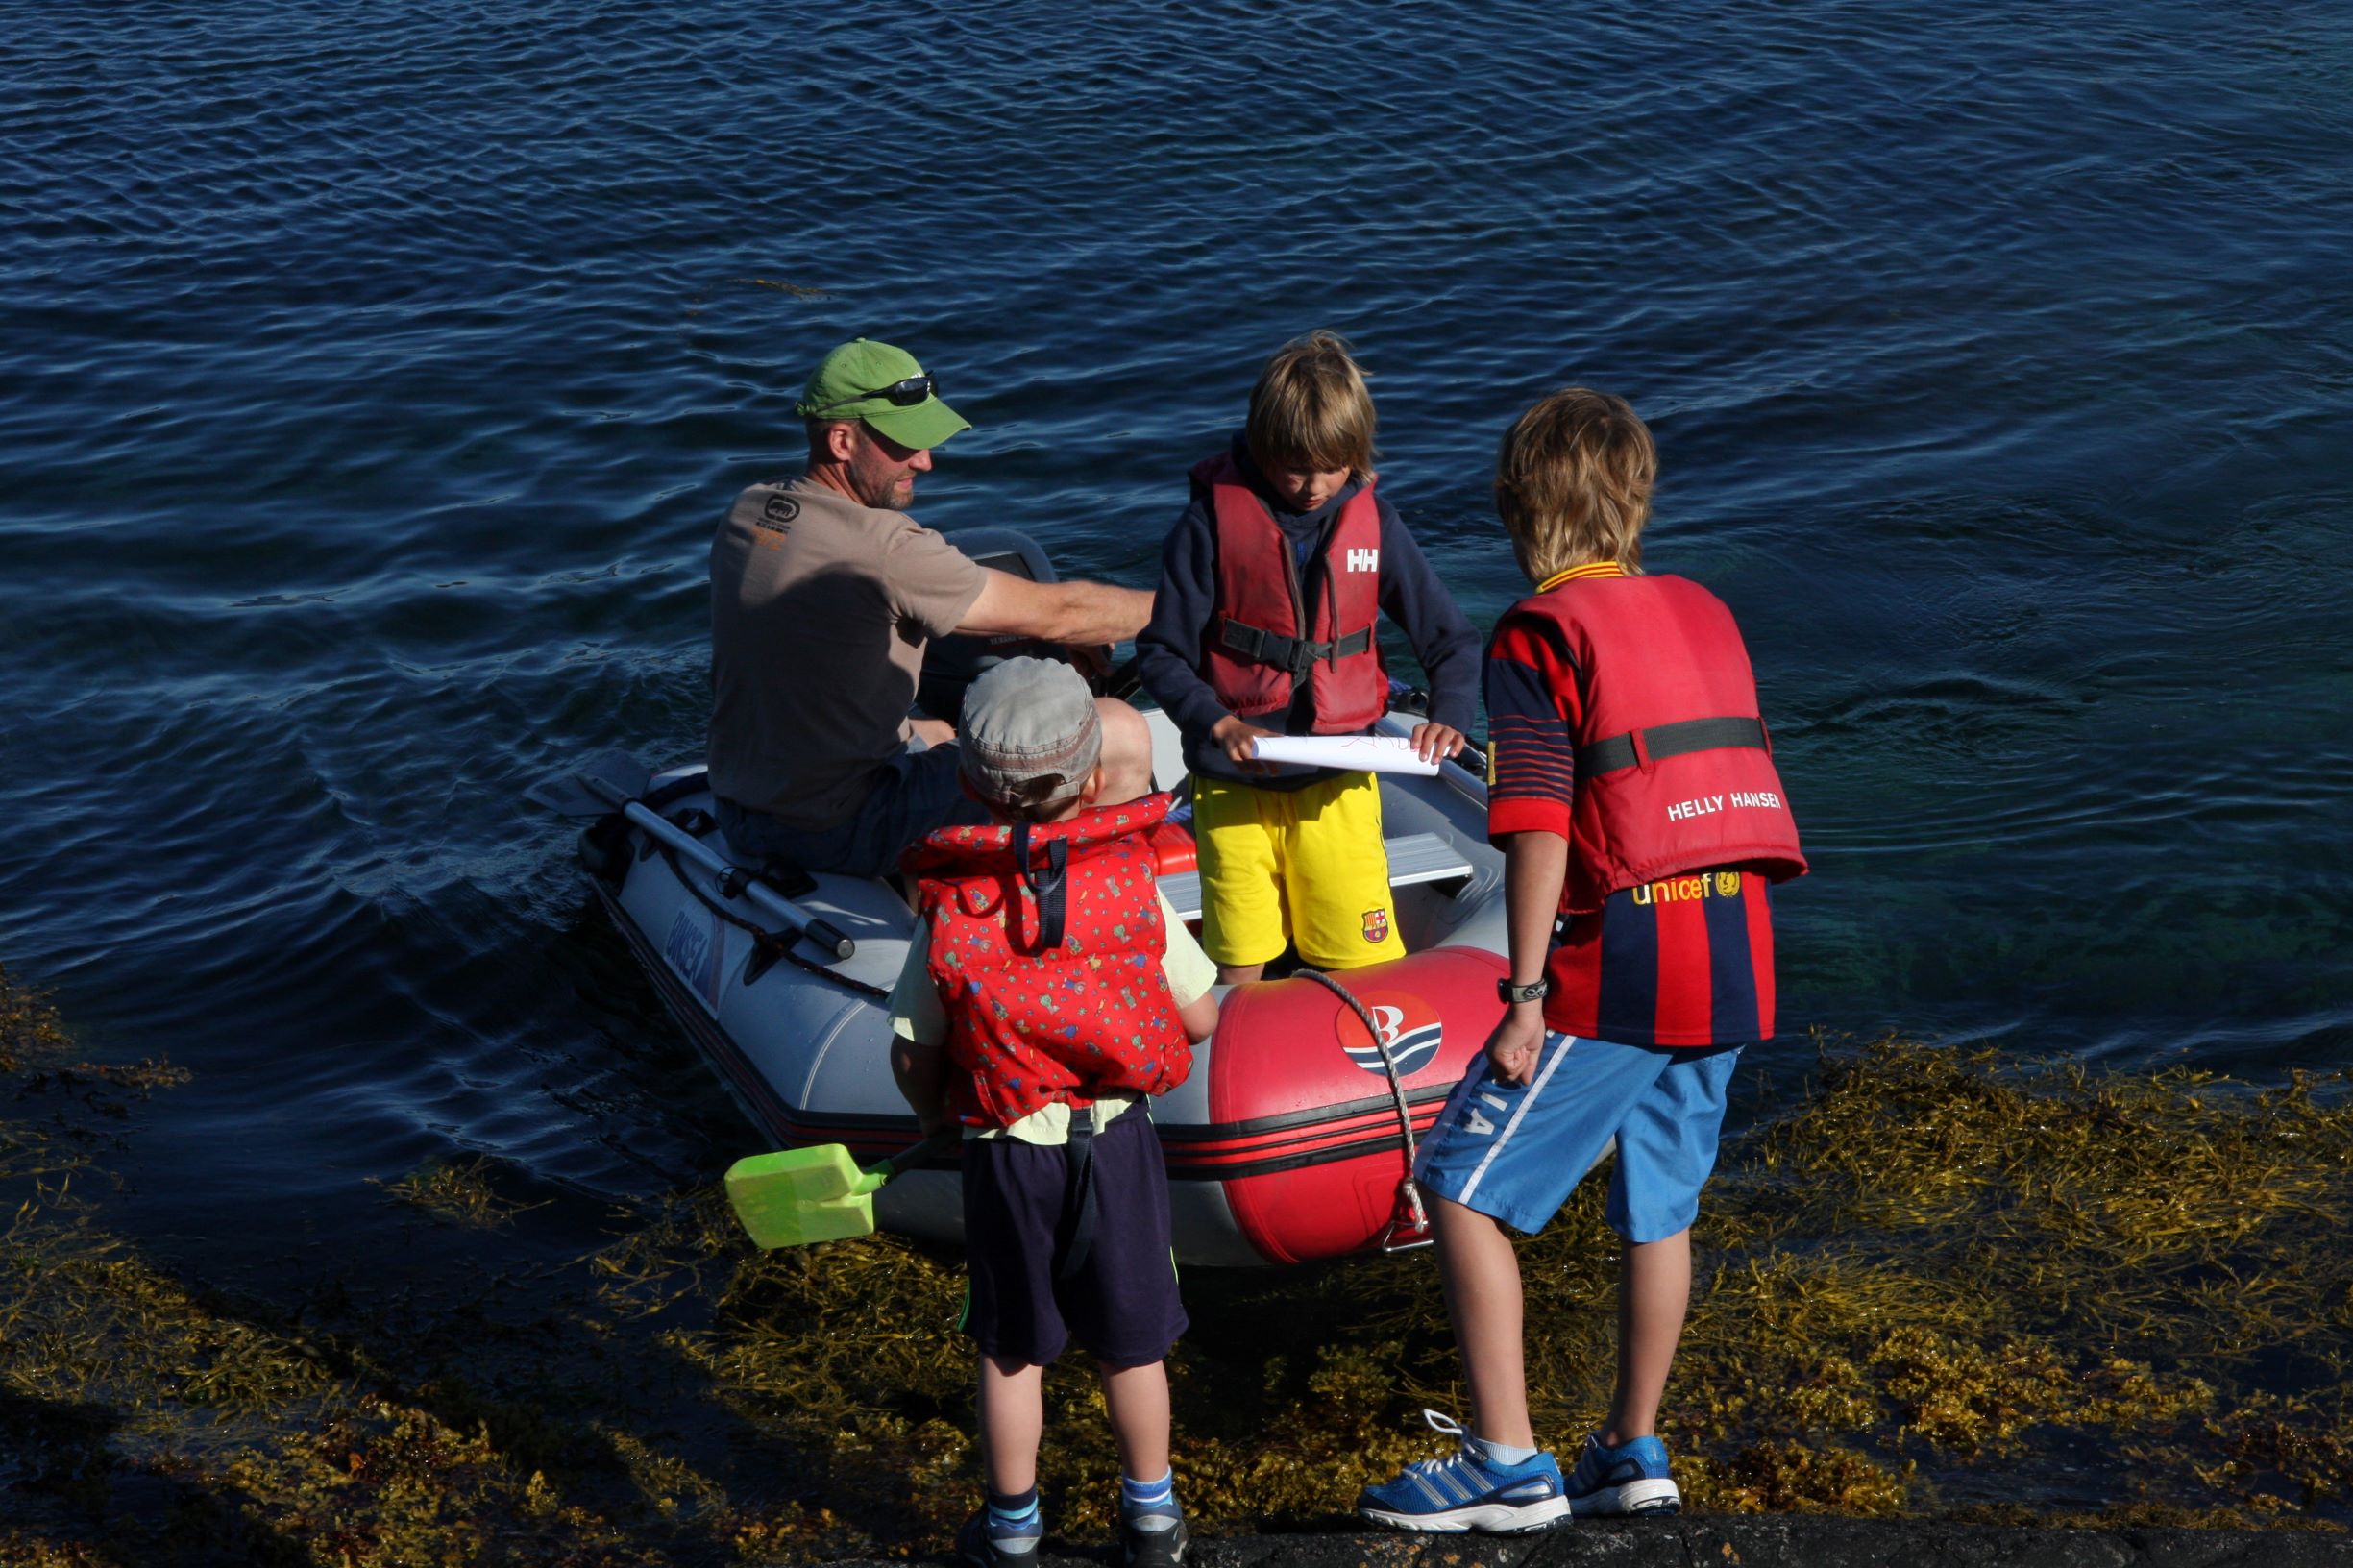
[1502, 1453]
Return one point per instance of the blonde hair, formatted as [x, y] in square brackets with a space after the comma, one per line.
[1311, 410]
[1572, 483]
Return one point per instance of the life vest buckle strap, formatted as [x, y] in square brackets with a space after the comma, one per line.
[1081, 1208]
[1046, 887]
[1296, 655]
[1640, 748]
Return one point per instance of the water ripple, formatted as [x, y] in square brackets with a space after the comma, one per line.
[370, 392]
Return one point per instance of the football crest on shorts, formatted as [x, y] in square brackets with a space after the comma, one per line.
[1376, 925]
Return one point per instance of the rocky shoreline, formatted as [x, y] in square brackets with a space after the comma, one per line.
[1939, 1284]
[1701, 1541]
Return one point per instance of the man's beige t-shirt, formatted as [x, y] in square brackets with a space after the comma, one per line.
[819, 611]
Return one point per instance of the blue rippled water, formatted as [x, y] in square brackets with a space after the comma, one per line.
[372, 378]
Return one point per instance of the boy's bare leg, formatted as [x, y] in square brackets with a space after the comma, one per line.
[1137, 1398]
[1236, 974]
[1012, 1420]
[1653, 1294]
[1127, 752]
[1482, 1275]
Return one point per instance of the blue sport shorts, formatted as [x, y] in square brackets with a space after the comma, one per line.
[1514, 1152]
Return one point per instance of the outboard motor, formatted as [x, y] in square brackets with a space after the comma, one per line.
[950, 664]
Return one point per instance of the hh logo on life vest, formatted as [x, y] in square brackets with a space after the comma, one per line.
[1409, 1028]
[1364, 560]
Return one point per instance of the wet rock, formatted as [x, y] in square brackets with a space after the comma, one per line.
[1735, 1542]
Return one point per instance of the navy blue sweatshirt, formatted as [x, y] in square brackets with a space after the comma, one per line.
[1169, 658]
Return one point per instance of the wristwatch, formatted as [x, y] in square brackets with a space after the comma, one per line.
[1537, 990]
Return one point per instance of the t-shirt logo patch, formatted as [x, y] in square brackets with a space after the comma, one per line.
[1376, 925]
[1363, 560]
[778, 513]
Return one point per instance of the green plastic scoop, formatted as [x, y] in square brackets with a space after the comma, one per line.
[794, 1197]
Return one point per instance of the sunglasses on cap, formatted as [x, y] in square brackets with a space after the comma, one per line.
[904, 394]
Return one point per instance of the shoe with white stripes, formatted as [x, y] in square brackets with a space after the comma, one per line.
[1466, 1490]
[1632, 1478]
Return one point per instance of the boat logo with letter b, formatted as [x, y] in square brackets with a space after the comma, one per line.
[1409, 1027]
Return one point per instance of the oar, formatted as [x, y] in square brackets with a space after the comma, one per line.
[586, 788]
[603, 784]
[794, 1197]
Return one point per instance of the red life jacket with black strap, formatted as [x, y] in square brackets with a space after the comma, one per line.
[1047, 943]
[1674, 766]
[1273, 623]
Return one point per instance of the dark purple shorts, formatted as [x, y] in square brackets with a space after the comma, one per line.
[1020, 1214]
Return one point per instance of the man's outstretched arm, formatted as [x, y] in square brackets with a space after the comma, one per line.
[1055, 612]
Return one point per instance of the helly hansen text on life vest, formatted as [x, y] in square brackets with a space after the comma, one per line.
[1364, 560]
[1735, 800]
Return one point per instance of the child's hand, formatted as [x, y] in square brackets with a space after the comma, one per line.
[1436, 742]
[1512, 1050]
[1237, 739]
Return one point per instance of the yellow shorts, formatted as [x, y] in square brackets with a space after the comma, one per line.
[1295, 866]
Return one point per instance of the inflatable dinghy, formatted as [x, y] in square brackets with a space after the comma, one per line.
[1290, 1140]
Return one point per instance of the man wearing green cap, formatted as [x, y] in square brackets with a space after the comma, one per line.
[823, 593]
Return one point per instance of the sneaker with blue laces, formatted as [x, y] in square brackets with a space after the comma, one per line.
[1467, 1490]
[1632, 1478]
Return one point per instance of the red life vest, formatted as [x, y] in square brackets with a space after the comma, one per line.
[1674, 766]
[1053, 979]
[1261, 637]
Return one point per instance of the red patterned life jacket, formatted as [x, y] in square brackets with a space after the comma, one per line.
[1262, 636]
[1674, 766]
[1047, 943]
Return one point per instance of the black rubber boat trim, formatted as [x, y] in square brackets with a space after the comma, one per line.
[788, 1128]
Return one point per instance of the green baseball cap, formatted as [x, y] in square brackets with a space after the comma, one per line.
[883, 386]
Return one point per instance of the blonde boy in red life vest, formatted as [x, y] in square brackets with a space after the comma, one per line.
[1632, 789]
[1265, 622]
[1048, 993]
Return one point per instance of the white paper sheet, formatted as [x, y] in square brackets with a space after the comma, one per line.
[1375, 753]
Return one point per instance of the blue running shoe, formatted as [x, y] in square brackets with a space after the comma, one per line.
[1632, 1478]
[1468, 1491]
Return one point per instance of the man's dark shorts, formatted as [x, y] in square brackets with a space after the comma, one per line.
[918, 792]
[1121, 1303]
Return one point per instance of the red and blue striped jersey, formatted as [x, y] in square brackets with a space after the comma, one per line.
[1686, 961]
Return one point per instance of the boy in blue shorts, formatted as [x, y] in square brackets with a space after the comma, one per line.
[1632, 789]
[1266, 623]
[1048, 992]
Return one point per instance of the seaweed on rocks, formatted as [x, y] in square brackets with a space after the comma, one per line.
[1930, 1282]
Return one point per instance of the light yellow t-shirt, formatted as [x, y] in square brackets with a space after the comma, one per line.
[918, 1014]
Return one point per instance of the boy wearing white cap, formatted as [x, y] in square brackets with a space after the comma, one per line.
[1049, 990]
